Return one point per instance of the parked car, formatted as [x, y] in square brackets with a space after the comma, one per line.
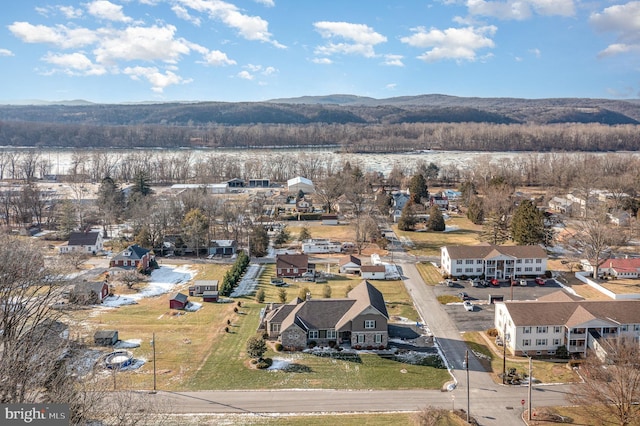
[495, 282]
[540, 281]
[475, 282]
[468, 305]
[523, 283]
[449, 283]
[514, 283]
[464, 296]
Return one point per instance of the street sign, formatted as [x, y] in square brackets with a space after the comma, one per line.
[522, 402]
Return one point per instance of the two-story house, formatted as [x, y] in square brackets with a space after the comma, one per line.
[360, 320]
[133, 256]
[492, 261]
[540, 327]
[83, 241]
[291, 265]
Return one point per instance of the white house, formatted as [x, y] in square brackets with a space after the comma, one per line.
[321, 246]
[350, 265]
[86, 242]
[499, 262]
[539, 327]
[620, 268]
[300, 183]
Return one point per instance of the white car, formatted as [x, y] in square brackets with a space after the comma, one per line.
[468, 305]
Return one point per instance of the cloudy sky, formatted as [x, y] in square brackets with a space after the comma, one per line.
[250, 50]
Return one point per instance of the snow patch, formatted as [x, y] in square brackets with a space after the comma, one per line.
[127, 344]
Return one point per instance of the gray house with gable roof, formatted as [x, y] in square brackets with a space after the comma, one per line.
[359, 320]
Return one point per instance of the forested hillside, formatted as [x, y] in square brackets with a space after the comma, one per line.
[350, 122]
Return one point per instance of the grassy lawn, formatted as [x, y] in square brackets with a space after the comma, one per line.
[193, 351]
[429, 273]
[545, 371]
[447, 298]
[429, 243]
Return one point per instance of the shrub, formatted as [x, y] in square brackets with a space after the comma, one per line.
[228, 322]
[265, 335]
[260, 296]
[357, 347]
[239, 303]
[369, 347]
[226, 329]
[382, 347]
[332, 343]
[492, 332]
[313, 344]
[235, 310]
[264, 363]
[279, 347]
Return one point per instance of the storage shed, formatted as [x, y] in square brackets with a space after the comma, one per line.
[105, 337]
[178, 301]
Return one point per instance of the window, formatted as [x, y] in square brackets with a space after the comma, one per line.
[478, 269]
[551, 352]
[636, 327]
[377, 338]
[360, 338]
[528, 269]
[557, 329]
[526, 342]
[479, 261]
[518, 260]
[541, 342]
[518, 269]
[556, 342]
[468, 262]
[459, 262]
[526, 330]
[369, 324]
[624, 327]
[528, 261]
[331, 334]
[458, 270]
[538, 269]
[468, 269]
[313, 334]
[538, 260]
[275, 328]
[543, 329]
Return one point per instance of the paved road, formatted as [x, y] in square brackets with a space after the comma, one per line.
[490, 404]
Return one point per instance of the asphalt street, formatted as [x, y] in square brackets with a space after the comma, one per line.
[489, 403]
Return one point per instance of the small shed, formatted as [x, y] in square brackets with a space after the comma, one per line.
[89, 293]
[210, 296]
[178, 301]
[105, 337]
[373, 272]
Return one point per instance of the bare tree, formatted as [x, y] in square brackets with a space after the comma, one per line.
[597, 240]
[611, 388]
[130, 278]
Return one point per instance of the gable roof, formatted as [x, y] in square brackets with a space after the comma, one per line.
[180, 297]
[533, 313]
[484, 251]
[133, 252]
[559, 296]
[81, 238]
[350, 259]
[292, 261]
[628, 265]
[372, 268]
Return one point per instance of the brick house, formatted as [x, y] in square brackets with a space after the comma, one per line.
[133, 256]
[291, 265]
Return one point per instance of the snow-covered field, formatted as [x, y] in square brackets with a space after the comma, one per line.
[163, 280]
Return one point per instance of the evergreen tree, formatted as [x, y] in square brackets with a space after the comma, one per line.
[194, 227]
[418, 188]
[282, 295]
[527, 225]
[408, 219]
[475, 211]
[141, 184]
[283, 236]
[468, 192]
[304, 234]
[436, 220]
[495, 229]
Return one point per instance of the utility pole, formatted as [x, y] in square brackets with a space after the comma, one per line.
[466, 362]
[153, 344]
[530, 384]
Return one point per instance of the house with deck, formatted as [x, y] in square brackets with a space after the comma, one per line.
[541, 326]
[292, 265]
[360, 320]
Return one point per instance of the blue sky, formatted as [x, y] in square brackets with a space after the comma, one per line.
[114, 51]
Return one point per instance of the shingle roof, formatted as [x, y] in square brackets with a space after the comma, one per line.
[81, 238]
[292, 260]
[487, 251]
[350, 259]
[135, 252]
[372, 268]
[533, 313]
[180, 297]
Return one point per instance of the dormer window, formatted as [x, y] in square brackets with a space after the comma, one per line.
[126, 253]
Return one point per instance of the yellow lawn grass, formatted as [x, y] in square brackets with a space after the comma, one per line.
[183, 339]
[429, 243]
[429, 273]
[545, 371]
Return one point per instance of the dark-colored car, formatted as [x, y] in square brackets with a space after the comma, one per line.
[540, 281]
[464, 296]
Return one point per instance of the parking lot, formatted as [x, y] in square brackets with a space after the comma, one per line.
[481, 318]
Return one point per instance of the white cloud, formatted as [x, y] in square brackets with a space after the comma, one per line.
[217, 58]
[359, 39]
[623, 20]
[183, 13]
[268, 3]
[158, 80]
[322, 61]
[75, 64]
[535, 52]
[70, 12]
[6, 52]
[249, 27]
[103, 9]
[141, 43]
[393, 60]
[60, 35]
[259, 69]
[460, 44]
[391, 86]
[246, 75]
[521, 9]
